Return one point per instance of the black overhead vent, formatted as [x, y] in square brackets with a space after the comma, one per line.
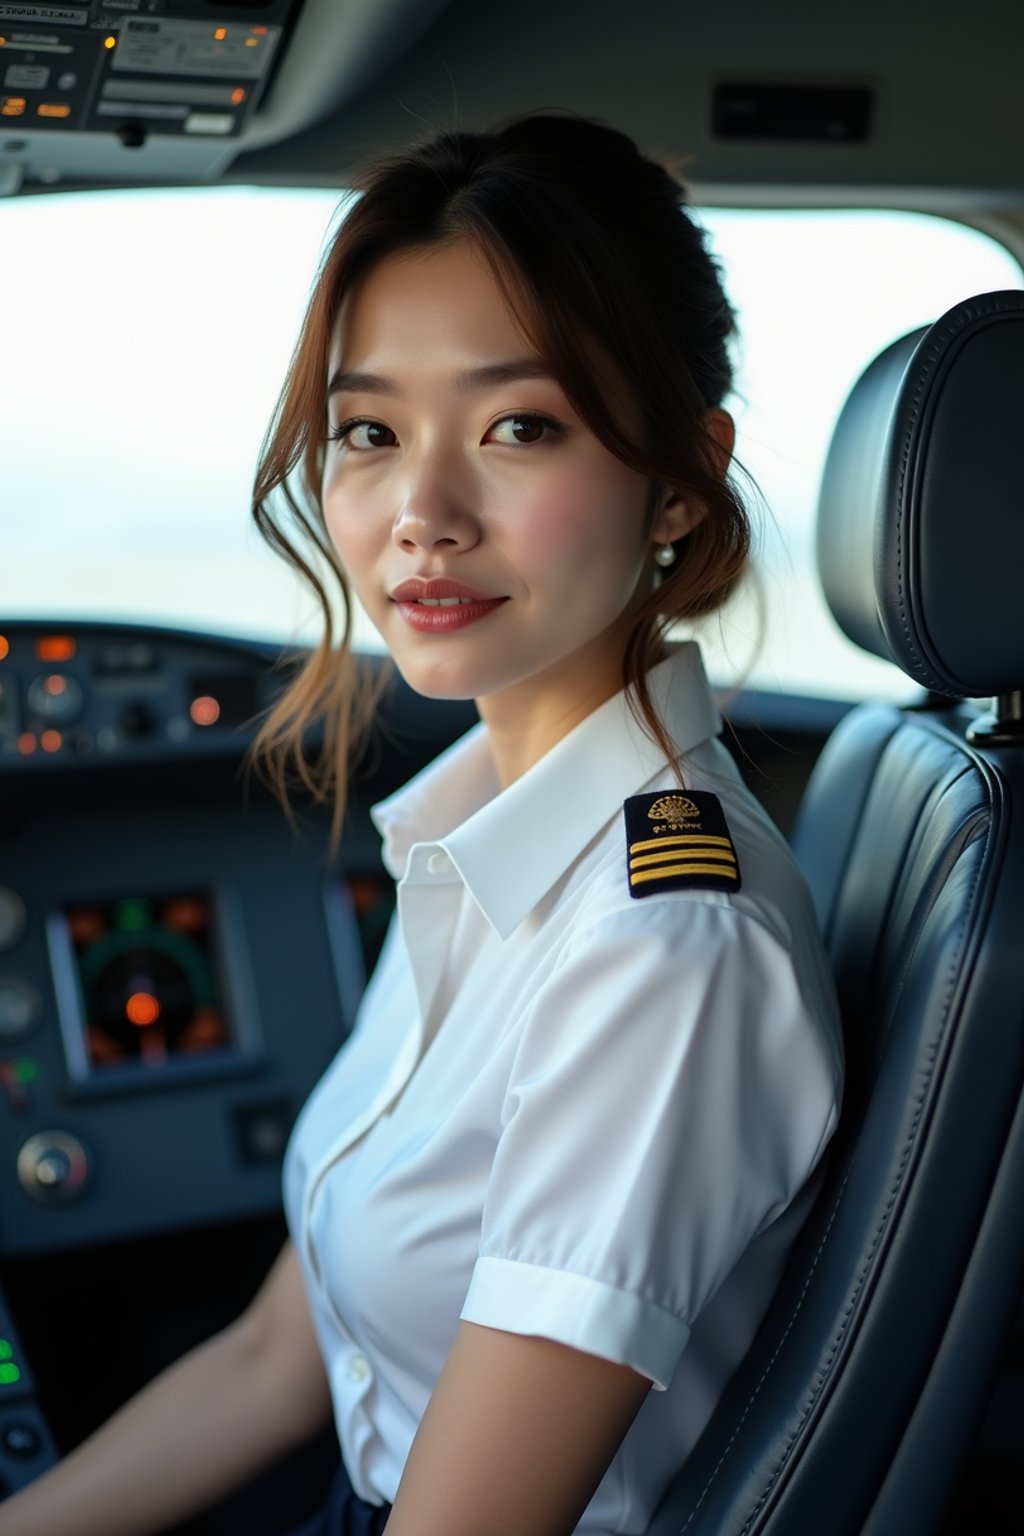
[812, 114]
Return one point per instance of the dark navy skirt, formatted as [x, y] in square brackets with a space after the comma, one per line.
[345, 1513]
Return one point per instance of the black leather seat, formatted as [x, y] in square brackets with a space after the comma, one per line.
[858, 1403]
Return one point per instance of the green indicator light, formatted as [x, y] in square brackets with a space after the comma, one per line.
[132, 914]
[9, 1374]
[6, 1352]
[25, 1071]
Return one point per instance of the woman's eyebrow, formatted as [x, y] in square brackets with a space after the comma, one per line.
[352, 381]
[512, 372]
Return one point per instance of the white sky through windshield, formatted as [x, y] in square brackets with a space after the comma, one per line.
[147, 335]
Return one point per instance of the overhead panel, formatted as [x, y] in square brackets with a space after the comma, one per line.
[136, 68]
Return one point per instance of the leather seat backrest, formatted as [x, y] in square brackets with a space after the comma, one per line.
[858, 1400]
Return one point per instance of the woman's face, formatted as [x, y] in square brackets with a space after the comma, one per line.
[493, 540]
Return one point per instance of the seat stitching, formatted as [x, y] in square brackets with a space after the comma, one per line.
[771, 1362]
[941, 345]
[787, 1451]
[899, 517]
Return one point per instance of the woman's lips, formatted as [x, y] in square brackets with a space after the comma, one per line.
[437, 605]
[441, 616]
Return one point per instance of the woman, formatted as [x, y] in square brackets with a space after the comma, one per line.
[563, 1154]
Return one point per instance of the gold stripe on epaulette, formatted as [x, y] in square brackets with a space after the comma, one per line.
[688, 840]
[722, 855]
[665, 870]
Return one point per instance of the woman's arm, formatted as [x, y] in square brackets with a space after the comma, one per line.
[517, 1435]
[206, 1425]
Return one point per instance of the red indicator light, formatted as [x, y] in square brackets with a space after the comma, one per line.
[206, 1029]
[142, 1009]
[259, 31]
[55, 648]
[26, 743]
[205, 710]
[237, 96]
[51, 741]
[5, 647]
[185, 915]
[85, 924]
[55, 684]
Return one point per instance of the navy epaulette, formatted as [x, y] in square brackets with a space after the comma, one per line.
[677, 842]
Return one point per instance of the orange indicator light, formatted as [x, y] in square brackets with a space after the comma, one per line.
[5, 647]
[51, 741]
[259, 31]
[220, 34]
[53, 109]
[142, 1008]
[12, 106]
[237, 96]
[110, 42]
[205, 710]
[56, 684]
[55, 648]
[26, 743]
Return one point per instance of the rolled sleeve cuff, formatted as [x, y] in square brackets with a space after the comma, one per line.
[575, 1310]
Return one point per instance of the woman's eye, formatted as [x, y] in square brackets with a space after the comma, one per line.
[525, 427]
[362, 435]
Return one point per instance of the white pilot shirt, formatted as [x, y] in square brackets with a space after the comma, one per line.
[562, 1110]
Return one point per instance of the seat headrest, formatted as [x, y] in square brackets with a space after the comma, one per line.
[921, 511]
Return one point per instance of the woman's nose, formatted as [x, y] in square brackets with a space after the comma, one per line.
[435, 513]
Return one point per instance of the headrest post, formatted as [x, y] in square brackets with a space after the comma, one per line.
[1004, 727]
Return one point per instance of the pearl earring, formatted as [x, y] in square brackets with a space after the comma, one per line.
[666, 556]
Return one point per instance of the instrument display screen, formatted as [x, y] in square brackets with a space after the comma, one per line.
[146, 982]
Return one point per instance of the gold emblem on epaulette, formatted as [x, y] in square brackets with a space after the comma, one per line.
[676, 810]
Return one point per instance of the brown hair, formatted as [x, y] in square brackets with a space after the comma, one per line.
[592, 243]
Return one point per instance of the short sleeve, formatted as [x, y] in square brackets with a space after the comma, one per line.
[671, 1092]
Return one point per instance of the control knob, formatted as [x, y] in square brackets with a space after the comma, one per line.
[12, 917]
[21, 1008]
[55, 698]
[137, 721]
[52, 1167]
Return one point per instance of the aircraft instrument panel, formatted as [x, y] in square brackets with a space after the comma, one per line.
[178, 965]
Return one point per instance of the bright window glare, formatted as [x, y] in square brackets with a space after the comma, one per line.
[818, 296]
[153, 331]
[147, 335]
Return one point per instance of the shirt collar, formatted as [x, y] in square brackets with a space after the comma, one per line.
[511, 847]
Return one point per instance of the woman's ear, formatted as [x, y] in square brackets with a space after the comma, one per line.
[722, 430]
[677, 515]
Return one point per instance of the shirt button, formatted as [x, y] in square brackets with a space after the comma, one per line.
[438, 862]
[359, 1367]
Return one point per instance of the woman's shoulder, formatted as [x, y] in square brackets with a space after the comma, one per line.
[737, 887]
[710, 843]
